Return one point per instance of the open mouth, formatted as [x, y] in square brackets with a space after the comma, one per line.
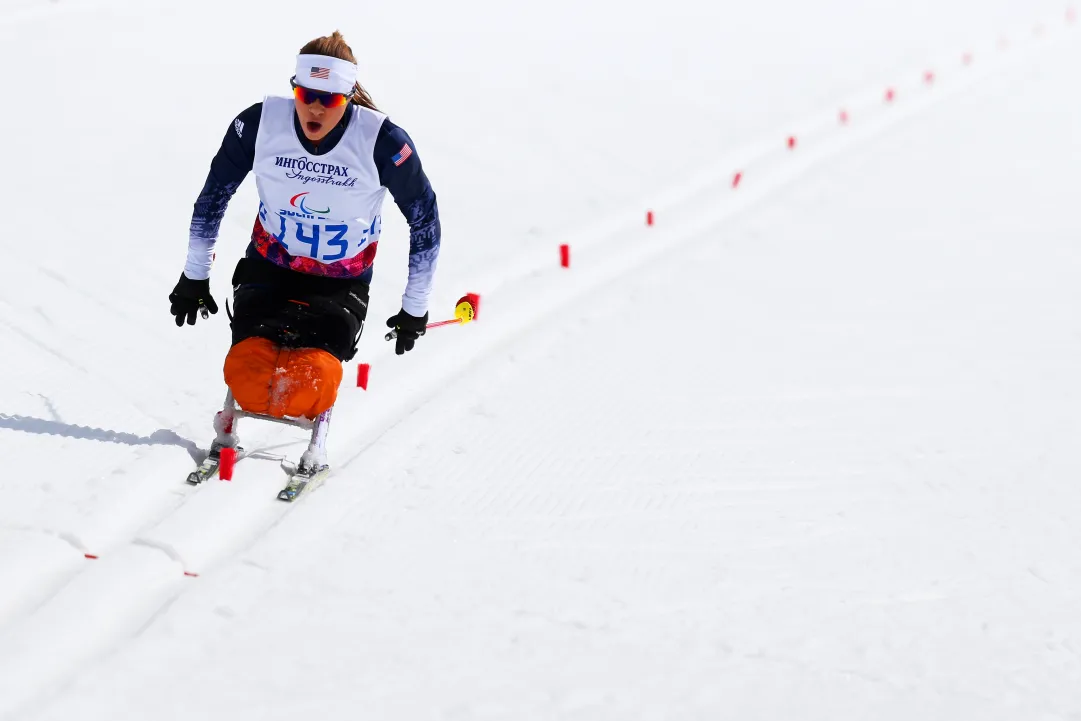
[313, 127]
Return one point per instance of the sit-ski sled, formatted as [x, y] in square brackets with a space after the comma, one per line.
[225, 450]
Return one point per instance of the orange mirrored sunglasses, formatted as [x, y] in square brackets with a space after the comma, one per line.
[309, 96]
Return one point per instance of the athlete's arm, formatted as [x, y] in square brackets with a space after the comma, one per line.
[401, 173]
[227, 171]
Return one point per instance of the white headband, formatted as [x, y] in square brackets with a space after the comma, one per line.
[321, 72]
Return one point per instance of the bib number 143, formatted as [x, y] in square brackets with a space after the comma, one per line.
[325, 242]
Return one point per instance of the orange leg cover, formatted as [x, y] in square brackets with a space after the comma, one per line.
[282, 382]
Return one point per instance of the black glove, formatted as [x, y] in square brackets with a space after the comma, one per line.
[190, 296]
[407, 328]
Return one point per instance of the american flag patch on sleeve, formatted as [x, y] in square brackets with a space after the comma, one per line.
[321, 73]
[403, 155]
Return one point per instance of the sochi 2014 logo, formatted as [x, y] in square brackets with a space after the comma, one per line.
[298, 201]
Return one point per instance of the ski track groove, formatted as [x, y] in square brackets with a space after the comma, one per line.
[72, 574]
[111, 506]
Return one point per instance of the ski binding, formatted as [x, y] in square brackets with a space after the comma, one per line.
[210, 465]
[305, 478]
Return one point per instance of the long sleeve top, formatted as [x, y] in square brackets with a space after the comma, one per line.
[406, 182]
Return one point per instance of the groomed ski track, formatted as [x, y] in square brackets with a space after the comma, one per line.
[811, 335]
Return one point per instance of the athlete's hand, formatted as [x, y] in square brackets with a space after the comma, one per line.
[407, 328]
[190, 297]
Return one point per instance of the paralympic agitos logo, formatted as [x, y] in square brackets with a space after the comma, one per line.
[298, 201]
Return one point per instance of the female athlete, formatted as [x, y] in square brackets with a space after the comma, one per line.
[323, 161]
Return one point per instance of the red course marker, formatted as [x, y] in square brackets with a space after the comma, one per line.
[929, 77]
[225, 467]
[791, 142]
[363, 369]
[736, 180]
[474, 299]
[844, 117]
[967, 58]
[649, 217]
[891, 95]
[91, 556]
[189, 573]
[565, 255]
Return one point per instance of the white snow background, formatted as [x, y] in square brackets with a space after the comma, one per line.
[801, 450]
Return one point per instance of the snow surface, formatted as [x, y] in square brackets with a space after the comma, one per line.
[801, 450]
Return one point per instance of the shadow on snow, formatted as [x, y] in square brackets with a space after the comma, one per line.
[40, 426]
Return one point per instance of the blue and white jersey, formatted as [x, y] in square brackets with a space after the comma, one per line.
[318, 215]
[320, 206]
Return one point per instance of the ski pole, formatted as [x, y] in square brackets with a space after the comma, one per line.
[464, 312]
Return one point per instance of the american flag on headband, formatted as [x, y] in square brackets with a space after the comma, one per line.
[403, 155]
[322, 73]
